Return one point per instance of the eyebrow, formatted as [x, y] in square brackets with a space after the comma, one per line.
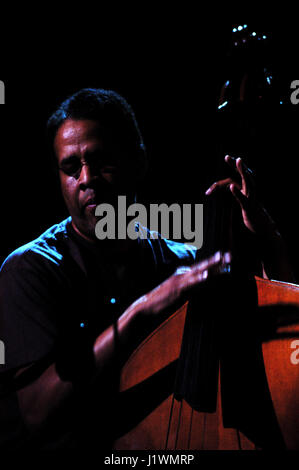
[74, 156]
[69, 158]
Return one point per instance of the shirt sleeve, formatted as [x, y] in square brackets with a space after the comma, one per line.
[29, 304]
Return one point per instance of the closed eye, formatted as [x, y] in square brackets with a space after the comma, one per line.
[70, 165]
[97, 161]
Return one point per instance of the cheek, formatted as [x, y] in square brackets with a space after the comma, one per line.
[68, 189]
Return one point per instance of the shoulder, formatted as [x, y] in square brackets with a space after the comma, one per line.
[168, 252]
[47, 249]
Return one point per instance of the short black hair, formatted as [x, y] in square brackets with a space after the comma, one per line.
[112, 111]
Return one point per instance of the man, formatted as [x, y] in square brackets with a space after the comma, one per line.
[73, 307]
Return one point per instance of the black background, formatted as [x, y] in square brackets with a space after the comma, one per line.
[170, 69]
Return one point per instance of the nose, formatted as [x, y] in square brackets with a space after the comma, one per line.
[86, 177]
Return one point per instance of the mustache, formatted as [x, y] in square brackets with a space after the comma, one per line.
[92, 196]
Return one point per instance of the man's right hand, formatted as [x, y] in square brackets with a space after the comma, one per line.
[182, 282]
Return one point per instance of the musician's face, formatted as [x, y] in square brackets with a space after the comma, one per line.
[89, 169]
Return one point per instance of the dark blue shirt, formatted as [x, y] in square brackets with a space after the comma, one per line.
[58, 293]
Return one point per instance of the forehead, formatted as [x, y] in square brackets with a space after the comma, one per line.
[77, 132]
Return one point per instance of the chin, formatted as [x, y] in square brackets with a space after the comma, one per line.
[90, 233]
[86, 228]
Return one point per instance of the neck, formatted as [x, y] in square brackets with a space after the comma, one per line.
[117, 246]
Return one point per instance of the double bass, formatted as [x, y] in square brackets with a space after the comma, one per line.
[156, 419]
[173, 424]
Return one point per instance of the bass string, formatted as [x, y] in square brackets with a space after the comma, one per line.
[203, 431]
[190, 429]
[169, 422]
[178, 427]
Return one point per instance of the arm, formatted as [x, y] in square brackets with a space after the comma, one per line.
[273, 252]
[41, 398]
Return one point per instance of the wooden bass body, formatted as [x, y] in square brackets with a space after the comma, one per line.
[155, 420]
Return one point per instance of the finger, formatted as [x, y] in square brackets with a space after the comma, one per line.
[244, 176]
[200, 271]
[182, 270]
[218, 185]
[247, 176]
[239, 196]
[212, 264]
[205, 264]
[231, 161]
[250, 180]
[245, 168]
[201, 275]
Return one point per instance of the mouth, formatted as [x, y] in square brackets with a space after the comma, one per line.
[94, 199]
[90, 202]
